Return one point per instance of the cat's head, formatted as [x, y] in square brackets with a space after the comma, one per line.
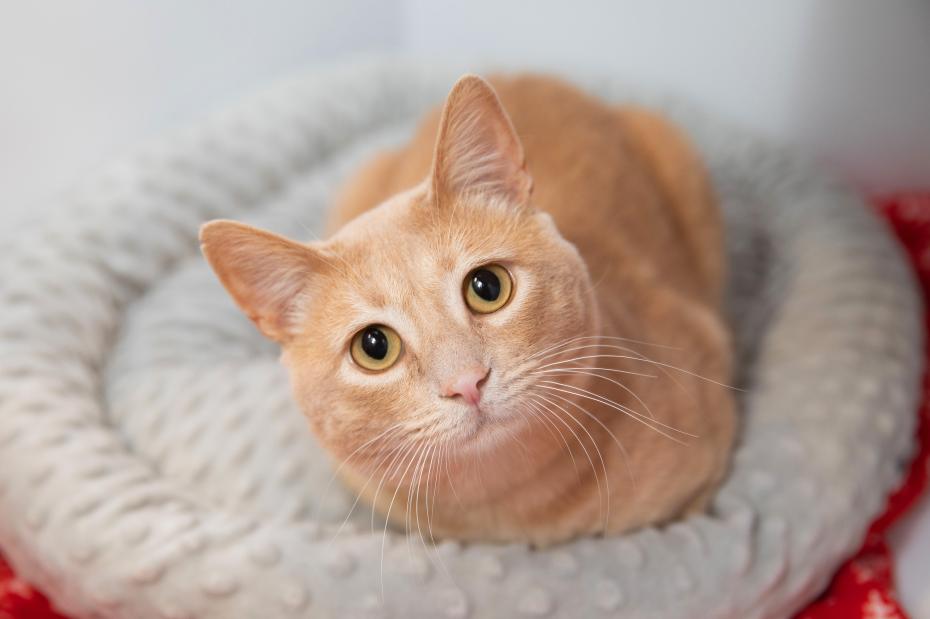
[426, 317]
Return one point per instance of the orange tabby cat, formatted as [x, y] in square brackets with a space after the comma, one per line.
[499, 356]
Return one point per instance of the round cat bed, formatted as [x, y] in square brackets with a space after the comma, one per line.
[152, 464]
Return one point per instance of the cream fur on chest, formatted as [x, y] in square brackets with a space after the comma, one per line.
[152, 464]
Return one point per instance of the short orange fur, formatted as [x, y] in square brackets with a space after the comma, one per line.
[605, 218]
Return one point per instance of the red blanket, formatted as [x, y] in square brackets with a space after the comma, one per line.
[864, 586]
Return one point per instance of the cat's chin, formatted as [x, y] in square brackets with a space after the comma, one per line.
[485, 434]
[486, 425]
[476, 423]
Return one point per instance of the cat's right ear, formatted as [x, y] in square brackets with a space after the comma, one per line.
[477, 148]
[267, 275]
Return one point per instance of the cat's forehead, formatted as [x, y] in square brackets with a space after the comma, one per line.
[410, 252]
[393, 257]
[411, 232]
[399, 279]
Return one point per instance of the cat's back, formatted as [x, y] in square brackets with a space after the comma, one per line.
[619, 182]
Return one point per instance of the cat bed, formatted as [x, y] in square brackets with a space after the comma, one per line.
[152, 464]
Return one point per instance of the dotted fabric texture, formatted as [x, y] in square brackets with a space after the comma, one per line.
[152, 464]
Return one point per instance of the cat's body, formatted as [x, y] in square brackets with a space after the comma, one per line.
[576, 422]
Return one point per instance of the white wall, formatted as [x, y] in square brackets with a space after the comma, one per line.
[83, 81]
[847, 78]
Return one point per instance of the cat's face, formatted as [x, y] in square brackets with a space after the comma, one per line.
[426, 318]
[398, 334]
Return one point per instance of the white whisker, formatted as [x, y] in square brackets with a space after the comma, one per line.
[550, 426]
[623, 409]
[614, 338]
[387, 517]
[400, 454]
[592, 372]
[359, 493]
[600, 491]
[623, 451]
[599, 455]
[616, 370]
[643, 359]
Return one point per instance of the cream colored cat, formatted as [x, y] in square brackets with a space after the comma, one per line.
[507, 347]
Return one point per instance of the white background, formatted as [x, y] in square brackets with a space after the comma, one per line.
[83, 81]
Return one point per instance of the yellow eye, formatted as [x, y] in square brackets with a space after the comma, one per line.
[375, 348]
[488, 288]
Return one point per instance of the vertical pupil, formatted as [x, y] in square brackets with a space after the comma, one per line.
[486, 284]
[375, 343]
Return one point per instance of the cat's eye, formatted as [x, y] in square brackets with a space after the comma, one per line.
[375, 348]
[488, 288]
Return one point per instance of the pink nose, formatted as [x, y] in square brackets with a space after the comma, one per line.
[467, 384]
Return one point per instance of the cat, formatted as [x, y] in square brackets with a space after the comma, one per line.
[513, 331]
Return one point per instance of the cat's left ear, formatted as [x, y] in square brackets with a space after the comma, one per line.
[268, 276]
[477, 149]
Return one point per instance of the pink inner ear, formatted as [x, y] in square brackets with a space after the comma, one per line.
[265, 274]
[477, 150]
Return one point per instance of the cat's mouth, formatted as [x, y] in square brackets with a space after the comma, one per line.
[480, 422]
[486, 431]
[489, 419]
